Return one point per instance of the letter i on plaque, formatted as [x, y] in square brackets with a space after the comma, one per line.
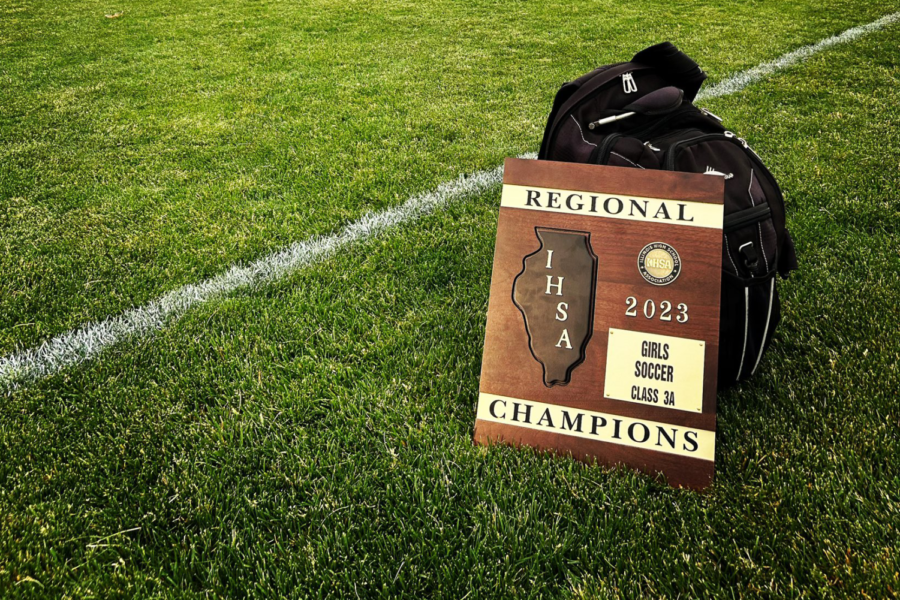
[603, 320]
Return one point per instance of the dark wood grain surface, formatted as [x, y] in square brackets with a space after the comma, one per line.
[508, 367]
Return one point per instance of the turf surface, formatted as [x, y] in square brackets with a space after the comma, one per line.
[141, 153]
[312, 438]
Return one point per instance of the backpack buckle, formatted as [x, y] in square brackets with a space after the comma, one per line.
[749, 255]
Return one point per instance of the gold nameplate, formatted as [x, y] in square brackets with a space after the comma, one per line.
[657, 370]
[603, 320]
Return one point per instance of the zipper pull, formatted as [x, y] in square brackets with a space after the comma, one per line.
[708, 113]
[628, 84]
[733, 136]
[730, 134]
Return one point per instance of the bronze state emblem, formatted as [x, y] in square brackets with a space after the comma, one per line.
[555, 293]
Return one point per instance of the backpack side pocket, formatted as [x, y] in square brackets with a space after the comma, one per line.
[751, 311]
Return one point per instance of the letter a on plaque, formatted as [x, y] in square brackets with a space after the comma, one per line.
[603, 321]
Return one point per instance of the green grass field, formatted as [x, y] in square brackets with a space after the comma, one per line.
[312, 437]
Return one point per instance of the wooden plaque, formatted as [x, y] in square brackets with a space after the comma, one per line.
[603, 321]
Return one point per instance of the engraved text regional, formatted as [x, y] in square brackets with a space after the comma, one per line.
[633, 208]
[610, 205]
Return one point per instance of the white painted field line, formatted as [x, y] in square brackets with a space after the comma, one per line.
[736, 83]
[91, 339]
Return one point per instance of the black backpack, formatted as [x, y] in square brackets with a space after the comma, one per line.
[639, 114]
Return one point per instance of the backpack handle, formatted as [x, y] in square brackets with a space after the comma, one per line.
[675, 64]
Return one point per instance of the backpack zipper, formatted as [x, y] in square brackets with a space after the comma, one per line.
[628, 84]
[743, 142]
[669, 162]
[711, 114]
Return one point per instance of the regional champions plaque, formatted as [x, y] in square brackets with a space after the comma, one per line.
[603, 322]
